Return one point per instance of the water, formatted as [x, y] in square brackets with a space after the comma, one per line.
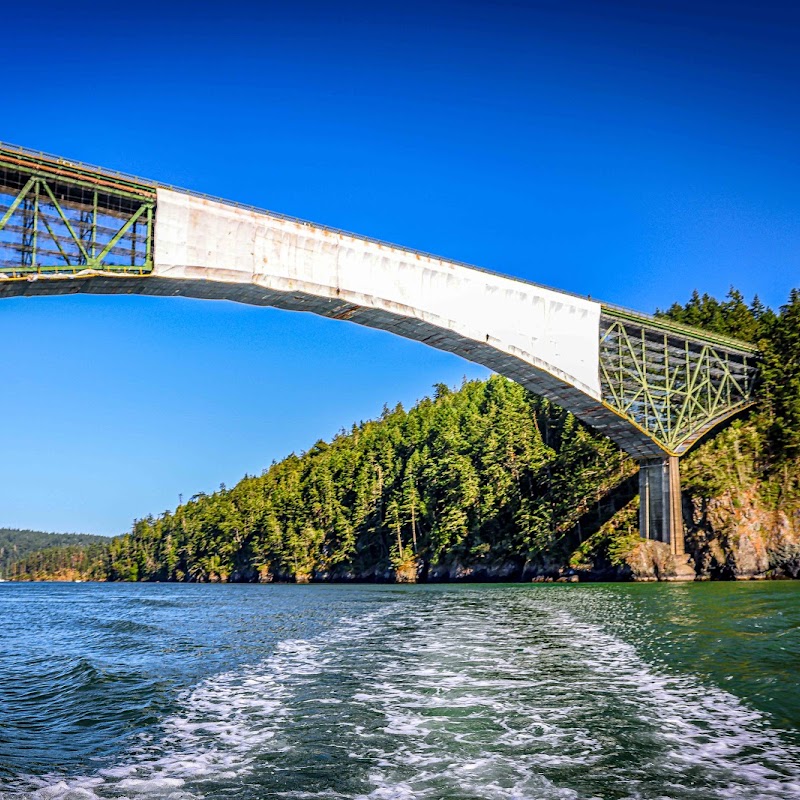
[538, 691]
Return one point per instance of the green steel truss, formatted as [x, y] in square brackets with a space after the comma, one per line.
[670, 381]
[59, 218]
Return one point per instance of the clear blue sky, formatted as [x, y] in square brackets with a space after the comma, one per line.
[615, 149]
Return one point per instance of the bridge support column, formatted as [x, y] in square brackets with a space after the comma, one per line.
[660, 512]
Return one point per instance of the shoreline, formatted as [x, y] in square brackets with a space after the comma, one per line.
[456, 581]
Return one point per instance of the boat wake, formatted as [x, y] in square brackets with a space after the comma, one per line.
[441, 696]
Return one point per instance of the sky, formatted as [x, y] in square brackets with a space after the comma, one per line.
[632, 152]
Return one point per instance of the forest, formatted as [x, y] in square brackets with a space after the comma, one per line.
[488, 481]
[16, 545]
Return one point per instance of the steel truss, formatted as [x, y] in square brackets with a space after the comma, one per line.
[672, 382]
[59, 219]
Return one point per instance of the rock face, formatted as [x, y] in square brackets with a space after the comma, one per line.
[480, 570]
[737, 535]
[741, 528]
[653, 561]
[617, 553]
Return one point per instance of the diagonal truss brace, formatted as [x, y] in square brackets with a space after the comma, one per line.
[672, 382]
[63, 223]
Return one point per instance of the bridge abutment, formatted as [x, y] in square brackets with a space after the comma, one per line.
[660, 512]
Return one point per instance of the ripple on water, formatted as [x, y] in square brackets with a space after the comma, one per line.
[451, 694]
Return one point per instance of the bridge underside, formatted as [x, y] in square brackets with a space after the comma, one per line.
[593, 412]
[669, 381]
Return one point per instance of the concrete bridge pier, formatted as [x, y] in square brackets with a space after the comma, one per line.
[660, 512]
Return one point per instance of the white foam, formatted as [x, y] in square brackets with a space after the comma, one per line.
[474, 705]
[224, 724]
[701, 725]
[517, 721]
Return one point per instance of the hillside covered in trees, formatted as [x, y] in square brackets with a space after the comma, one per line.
[487, 482]
[17, 545]
[487, 469]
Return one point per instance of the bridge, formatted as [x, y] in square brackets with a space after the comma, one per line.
[653, 386]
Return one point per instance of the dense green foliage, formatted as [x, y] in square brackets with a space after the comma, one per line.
[16, 545]
[486, 472]
[489, 468]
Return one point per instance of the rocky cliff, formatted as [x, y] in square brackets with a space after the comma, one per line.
[742, 521]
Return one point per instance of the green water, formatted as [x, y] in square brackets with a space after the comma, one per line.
[535, 691]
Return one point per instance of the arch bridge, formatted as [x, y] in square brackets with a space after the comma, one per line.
[652, 386]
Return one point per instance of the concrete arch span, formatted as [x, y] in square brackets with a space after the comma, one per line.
[547, 341]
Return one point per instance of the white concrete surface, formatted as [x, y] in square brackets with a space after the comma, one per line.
[201, 239]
